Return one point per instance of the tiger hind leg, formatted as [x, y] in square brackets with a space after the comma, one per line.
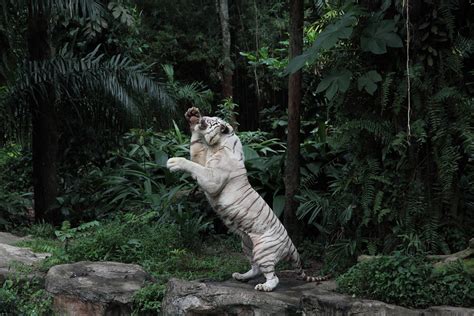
[247, 247]
[270, 284]
[267, 266]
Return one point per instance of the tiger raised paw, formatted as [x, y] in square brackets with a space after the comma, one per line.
[217, 164]
[193, 116]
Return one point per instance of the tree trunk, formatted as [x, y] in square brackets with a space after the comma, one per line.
[45, 133]
[292, 169]
[227, 65]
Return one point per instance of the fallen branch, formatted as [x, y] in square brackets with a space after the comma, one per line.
[440, 259]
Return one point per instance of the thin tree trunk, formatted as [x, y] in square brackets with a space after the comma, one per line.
[227, 71]
[45, 133]
[292, 169]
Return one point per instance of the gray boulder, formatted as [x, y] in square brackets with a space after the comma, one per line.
[12, 257]
[10, 239]
[94, 288]
[290, 298]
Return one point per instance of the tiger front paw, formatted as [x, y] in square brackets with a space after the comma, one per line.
[193, 116]
[175, 164]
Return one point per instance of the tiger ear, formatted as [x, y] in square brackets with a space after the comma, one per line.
[224, 129]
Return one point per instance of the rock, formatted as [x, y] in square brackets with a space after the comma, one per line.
[11, 257]
[94, 288]
[228, 298]
[449, 310]
[10, 239]
[320, 302]
[291, 297]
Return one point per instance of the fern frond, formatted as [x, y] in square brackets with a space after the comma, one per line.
[399, 96]
[386, 87]
[380, 129]
[464, 46]
[447, 163]
[449, 19]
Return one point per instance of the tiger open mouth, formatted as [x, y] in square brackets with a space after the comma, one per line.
[202, 124]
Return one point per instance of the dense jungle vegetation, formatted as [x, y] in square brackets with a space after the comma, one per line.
[376, 110]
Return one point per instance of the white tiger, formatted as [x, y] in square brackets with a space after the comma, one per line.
[218, 166]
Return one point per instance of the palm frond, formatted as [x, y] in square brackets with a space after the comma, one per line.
[84, 8]
[70, 77]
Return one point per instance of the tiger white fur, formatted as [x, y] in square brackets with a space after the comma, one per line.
[217, 163]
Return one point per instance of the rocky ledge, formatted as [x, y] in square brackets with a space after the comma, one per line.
[292, 297]
[12, 257]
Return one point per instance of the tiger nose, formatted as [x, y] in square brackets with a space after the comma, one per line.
[203, 124]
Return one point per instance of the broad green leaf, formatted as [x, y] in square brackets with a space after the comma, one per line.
[297, 63]
[134, 149]
[314, 167]
[278, 205]
[147, 186]
[378, 35]
[146, 151]
[327, 39]
[342, 29]
[161, 158]
[346, 215]
[338, 80]
[368, 81]
[249, 153]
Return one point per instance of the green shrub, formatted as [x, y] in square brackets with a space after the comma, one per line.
[148, 299]
[13, 209]
[157, 245]
[16, 170]
[22, 297]
[409, 281]
[125, 241]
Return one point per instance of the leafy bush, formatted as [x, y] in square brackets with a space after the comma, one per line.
[375, 180]
[148, 299]
[264, 159]
[135, 179]
[130, 239]
[409, 281]
[16, 170]
[15, 183]
[13, 209]
[156, 244]
[22, 297]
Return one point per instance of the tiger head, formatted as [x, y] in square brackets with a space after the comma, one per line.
[213, 129]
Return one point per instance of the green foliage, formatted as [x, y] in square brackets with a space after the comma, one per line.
[156, 244]
[409, 281]
[131, 239]
[194, 94]
[228, 111]
[13, 209]
[90, 8]
[335, 81]
[368, 81]
[70, 76]
[148, 299]
[378, 35]
[8, 152]
[368, 186]
[14, 179]
[23, 297]
[326, 39]
[264, 158]
[16, 172]
[135, 179]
